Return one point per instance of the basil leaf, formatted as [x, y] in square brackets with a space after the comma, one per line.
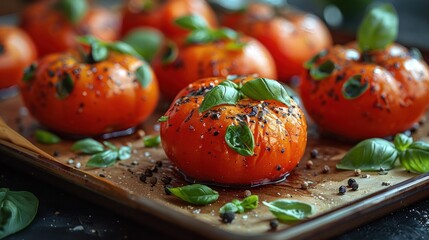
[73, 10]
[152, 141]
[235, 46]
[124, 153]
[354, 88]
[64, 86]
[144, 75]
[289, 210]
[219, 95]
[46, 137]
[322, 71]
[229, 83]
[309, 64]
[163, 119]
[170, 53]
[87, 146]
[98, 53]
[240, 139]
[29, 72]
[379, 28]
[87, 39]
[402, 142]
[250, 202]
[419, 145]
[122, 47]
[17, 210]
[265, 89]
[228, 207]
[370, 155]
[224, 33]
[110, 145]
[146, 41]
[191, 22]
[200, 36]
[197, 194]
[103, 159]
[416, 157]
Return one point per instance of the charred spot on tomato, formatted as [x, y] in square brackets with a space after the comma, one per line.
[366, 57]
[64, 86]
[2, 49]
[170, 53]
[51, 73]
[29, 72]
[322, 71]
[354, 87]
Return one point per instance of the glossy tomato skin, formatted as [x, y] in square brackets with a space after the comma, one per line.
[292, 37]
[163, 15]
[106, 97]
[397, 96]
[52, 32]
[17, 51]
[196, 61]
[195, 142]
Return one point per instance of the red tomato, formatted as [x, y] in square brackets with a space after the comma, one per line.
[161, 15]
[388, 95]
[292, 37]
[195, 141]
[17, 51]
[52, 32]
[70, 96]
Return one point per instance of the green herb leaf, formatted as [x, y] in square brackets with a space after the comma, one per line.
[228, 207]
[322, 71]
[124, 153]
[98, 52]
[354, 88]
[197, 194]
[152, 140]
[310, 63]
[200, 36]
[235, 46]
[229, 83]
[103, 159]
[289, 210]
[240, 139]
[219, 95]
[64, 86]
[87, 39]
[191, 22]
[87, 146]
[110, 145]
[170, 53]
[416, 157]
[211, 35]
[46, 137]
[29, 72]
[265, 89]
[370, 155]
[163, 119]
[17, 211]
[250, 202]
[402, 142]
[122, 47]
[379, 28]
[146, 41]
[144, 75]
[73, 10]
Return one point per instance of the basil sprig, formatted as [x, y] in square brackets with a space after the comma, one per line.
[379, 28]
[373, 154]
[240, 139]
[73, 10]
[237, 206]
[289, 210]
[229, 92]
[101, 157]
[101, 46]
[152, 140]
[197, 194]
[17, 210]
[46, 137]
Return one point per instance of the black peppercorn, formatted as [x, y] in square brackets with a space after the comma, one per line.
[143, 178]
[355, 186]
[274, 224]
[227, 217]
[342, 190]
[153, 181]
[351, 181]
[166, 180]
[314, 153]
[148, 173]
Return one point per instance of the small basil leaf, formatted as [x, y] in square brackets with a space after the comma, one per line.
[289, 210]
[370, 155]
[228, 207]
[415, 53]
[87, 39]
[170, 53]
[197, 194]
[29, 72]
[191, 22]
[163, 119]
[144, 75]
[415, 160]
[103, 159]
[73, 10]
[309, 64]
[219, 95]
[87, 146]
[379, 28]
[46, 137]
[229, 83]
[152, 140]
[322, 71]
[265, 89]
[17, 211]
[200, 36]
[240, 139]
[110, 145]
[146, 41]
[235, 46]
[419, 145]
[98, 53]
[354, 88]
[224, 33]
[122, 47]
[124, 153]
[402, 142]
[250, 202]
[64, 86]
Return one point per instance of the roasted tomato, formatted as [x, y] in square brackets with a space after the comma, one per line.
[292, 37]
[217, 132]
[208, 53]
[17, 51]
[54, 25]
[161, 15]
[366, 91]
[103, 92]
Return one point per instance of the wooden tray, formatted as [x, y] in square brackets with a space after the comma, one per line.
[119, 188]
